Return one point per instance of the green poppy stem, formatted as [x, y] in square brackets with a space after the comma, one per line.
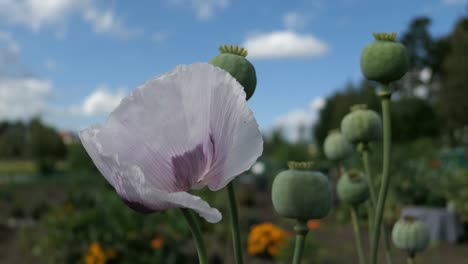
[357, 235]
[194, 225]
[370, 218]
[410, 260]
[301, 233]
[373, 201]
[385, 95]
[236, 239]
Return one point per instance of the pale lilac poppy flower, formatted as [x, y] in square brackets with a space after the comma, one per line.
[188, 128]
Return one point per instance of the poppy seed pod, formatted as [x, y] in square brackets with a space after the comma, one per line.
[384, 60]
[361, 125]
[352, 188]
[232, 59]
[336, 147]
[410, 234]
[301, 194]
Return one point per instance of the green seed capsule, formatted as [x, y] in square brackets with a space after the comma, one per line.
[361, 125]
[411, 235]
[384, 60]
[301, 194]
[352, 188]
[336, 147]
[232, 59]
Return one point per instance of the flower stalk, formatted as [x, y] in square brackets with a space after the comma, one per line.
[194, 225]
[236, 239]
[357, 235]
[371, 209]
[301, 233]
[385, 96]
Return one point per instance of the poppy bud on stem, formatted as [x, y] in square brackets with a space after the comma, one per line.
[383, 60]
[232, 59]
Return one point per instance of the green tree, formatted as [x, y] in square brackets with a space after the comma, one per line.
[45, 145]
[453, 102]
[413, 118]
[12, 138]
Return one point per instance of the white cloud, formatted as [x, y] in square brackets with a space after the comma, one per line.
[159, 36]
[100, 101]
[284, 44]
[455, 2]
[21, 94]
[292, 122]
[23, 98]
[204, 9]
[36, 14]
[108, 22]
[295, 20]
[9, 43]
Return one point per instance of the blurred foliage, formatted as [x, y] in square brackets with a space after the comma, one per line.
[455, 188]
[278, 150]
[453, 103]
[310, 253]
[32, 140]
[17, 167]
[78, 159]
[413, 118]
[94, 217]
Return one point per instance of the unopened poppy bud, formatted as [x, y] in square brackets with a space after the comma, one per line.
[301, 194]
[361, 125]
[384, 60]
[232, 59]
[352, 188]
[336, 147]
[411, 235]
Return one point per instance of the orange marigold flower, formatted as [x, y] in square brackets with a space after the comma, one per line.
[313, 224]
[157, 242]
[265, 238]
[96, 254]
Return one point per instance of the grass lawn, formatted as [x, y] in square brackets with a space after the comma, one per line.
[17, 167]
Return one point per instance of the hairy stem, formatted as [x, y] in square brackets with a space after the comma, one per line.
[236, 239]
[192, 221]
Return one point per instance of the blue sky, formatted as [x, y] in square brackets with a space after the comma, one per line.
[73, 60]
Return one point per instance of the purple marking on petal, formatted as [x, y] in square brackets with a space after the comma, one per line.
[137, 206]
[213, 147]
[188, 168]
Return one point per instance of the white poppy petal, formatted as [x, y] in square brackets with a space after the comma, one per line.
[237, 139]
[197, 112]
[138, 195]
[190, 127]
